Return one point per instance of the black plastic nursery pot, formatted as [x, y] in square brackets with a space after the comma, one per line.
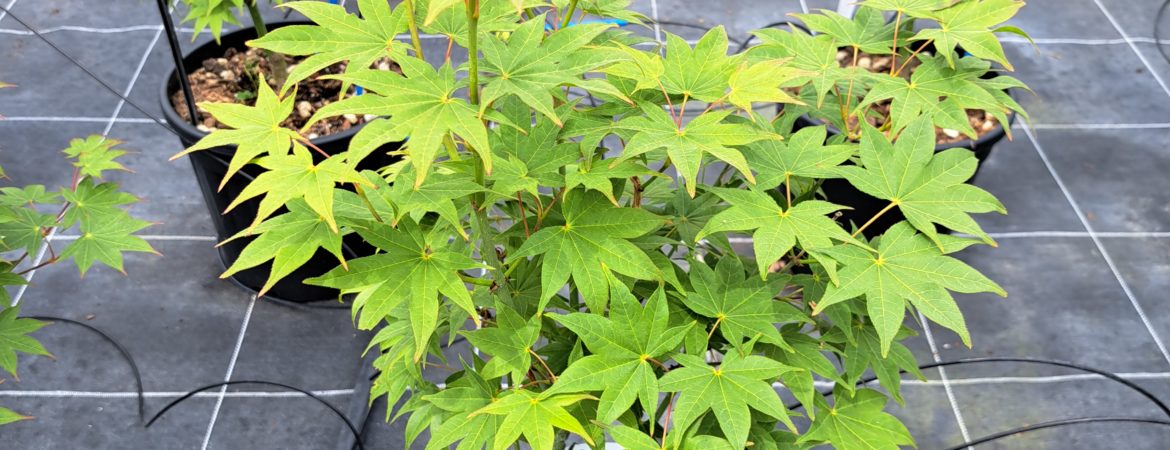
[864, 206]
[211, 166]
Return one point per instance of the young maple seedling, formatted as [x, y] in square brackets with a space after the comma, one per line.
[533, 212]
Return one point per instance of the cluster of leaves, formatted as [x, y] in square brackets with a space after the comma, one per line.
[213, 14]
[95, 208]
[603, 295]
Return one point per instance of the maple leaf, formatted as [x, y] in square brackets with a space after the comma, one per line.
[921, 9]
[929, 188]
[686, 145]
[437, 194]
[415, 267]
[728, 391]
[941, 93]
[509, 342]
[701, 73]
[906, 267]
[94, 155]
[623, 345]
[8, 416]
[594, 236]
[422, 106]
[528, 65]
[90, 202]
[14, 338]
[867, 355]
[464, 396]
[814, 56]
[857, 422]
[743, 306]
[450, 19]
[288, 240]
[26, 195]
[23, 228]
[970, 24]
[338, 36]
[868, 30]
[777, 229]
[104, 241]
[802, 155]
[254, 130]
[534, 416]
[600, 177]
[761, 82]
[294, 176]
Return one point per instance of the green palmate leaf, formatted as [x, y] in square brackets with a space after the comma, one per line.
[528, 66]
[509, 342]
[593, 237]
[777, 230]
[8, 416]
[295, 176]
[633, 439]
[437, 194]
[742, 305]
[422, 106]
[929, 188]
[921, 9]
[105, 240]
[857, 422]
[255, 130]
[701, 73]
[451, 20]
[528, 157]
[211, 14]
[727, 391]
[906, 267]
[867, 355]
[645, 69]
[462, 397]
[802, 155]
[971, 24]
[26, 195]
[761, 82]
[807, 354]
[687, 145]
[534, 416]
[415, 268]
[601, 177]
[622, 347]
[941, 93]
[614, 9]
[94, 155]
[24, 228]
[8, 278]
[90, 202]
[288, 240]
[814, 56]
[868, 30]
[338, 36]
[14, 338]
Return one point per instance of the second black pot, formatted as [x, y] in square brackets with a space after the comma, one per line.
[211, 165]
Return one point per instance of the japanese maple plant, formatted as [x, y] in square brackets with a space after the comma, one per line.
[571, 199]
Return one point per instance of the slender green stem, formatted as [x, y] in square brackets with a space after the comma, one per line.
[410, 22]
[473, 50]
[257, 19]
[476, 281]
[568, 15]
[369, 205]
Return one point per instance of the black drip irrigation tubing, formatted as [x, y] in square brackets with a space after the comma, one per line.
[356, 435]
[142, 401]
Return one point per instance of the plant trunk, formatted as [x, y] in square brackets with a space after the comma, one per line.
[276, 62]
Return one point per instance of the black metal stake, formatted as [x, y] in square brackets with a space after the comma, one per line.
[177, 54]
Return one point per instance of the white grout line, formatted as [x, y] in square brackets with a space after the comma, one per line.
[173, 394]
[942, 373]
[113, 30]
[1078, 234]
[977, 381]
[155, 237]
[1078, 41]
[1097, 242]
[133, 80]
[657, 27]
[4, 13]
[74, 119]
[803, 7]
[1095, 126]
[1133, 47]
[231, 368]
